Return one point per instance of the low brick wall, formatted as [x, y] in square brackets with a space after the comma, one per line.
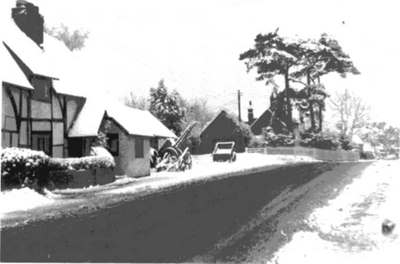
[320, 154]
[80, 178]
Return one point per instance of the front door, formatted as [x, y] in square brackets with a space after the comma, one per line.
[42, 141]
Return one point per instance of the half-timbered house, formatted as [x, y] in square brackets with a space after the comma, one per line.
[38, 115]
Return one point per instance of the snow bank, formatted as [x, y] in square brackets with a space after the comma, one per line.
[348, 228]
[309, 247]
[204, 169]
[21, 199]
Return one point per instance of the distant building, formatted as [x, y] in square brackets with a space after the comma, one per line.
[223, 127]
[36, 115]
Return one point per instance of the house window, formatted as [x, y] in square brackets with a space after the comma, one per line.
[42, 141]
[139, 148]
[113, 144]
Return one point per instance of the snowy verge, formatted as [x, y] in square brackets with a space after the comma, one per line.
[21, 199]
[348, 228]
[205, 169]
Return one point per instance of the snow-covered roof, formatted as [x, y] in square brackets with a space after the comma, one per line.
[138, 122]
[10, 71]
[26, 48]
[134, 121]
[54, 59]
[89, 119]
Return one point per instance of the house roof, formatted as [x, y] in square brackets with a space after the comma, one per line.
[263, 120]
[134, 121]
[22, 45]
[88, 121]
[10, 71]
[53, 60]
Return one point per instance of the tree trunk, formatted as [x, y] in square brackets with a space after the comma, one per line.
[288, 104]
[320, 118]
[311, 108]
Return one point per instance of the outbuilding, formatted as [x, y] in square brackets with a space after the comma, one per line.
[128, 132]
[224, 127]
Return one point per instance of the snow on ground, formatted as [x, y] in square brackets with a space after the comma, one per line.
[348, 229]
[203, 168]
[21, 199]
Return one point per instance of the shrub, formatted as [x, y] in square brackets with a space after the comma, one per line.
[241, 130]
[319, 141]
[257, 142]
[21, 166]
[277, 140]
[345, 143]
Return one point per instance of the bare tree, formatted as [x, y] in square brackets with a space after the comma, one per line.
[73, 40]
[136, 102]
[198, 110]
[351, 111]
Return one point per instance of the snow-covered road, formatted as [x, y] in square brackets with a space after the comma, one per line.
[335, 218]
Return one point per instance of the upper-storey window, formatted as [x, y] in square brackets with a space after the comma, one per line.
[42, 87]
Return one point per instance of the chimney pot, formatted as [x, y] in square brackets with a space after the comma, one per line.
[250, 114]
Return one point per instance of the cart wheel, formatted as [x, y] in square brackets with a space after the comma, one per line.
[234, 156]
[173, 152]
[190, 163]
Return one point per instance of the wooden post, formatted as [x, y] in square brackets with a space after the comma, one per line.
[239, 108]
[288, 103]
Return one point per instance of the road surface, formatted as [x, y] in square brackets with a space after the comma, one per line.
[299, 213]
[335, 218]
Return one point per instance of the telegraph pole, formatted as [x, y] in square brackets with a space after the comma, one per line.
[239, 109]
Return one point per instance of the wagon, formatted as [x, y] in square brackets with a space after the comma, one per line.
[224, 151]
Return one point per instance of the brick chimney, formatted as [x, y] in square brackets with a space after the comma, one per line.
[250, 114]
[27, 17]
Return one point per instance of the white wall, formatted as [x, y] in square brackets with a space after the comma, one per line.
[126, 162]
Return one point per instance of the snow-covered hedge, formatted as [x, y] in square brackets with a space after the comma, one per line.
[100, 158]
[21, 166]
[84, 163]
[18, 165]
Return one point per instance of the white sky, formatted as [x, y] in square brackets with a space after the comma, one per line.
[195, 45]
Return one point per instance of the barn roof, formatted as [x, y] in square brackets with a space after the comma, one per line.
[134, 121]
[204, 130]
